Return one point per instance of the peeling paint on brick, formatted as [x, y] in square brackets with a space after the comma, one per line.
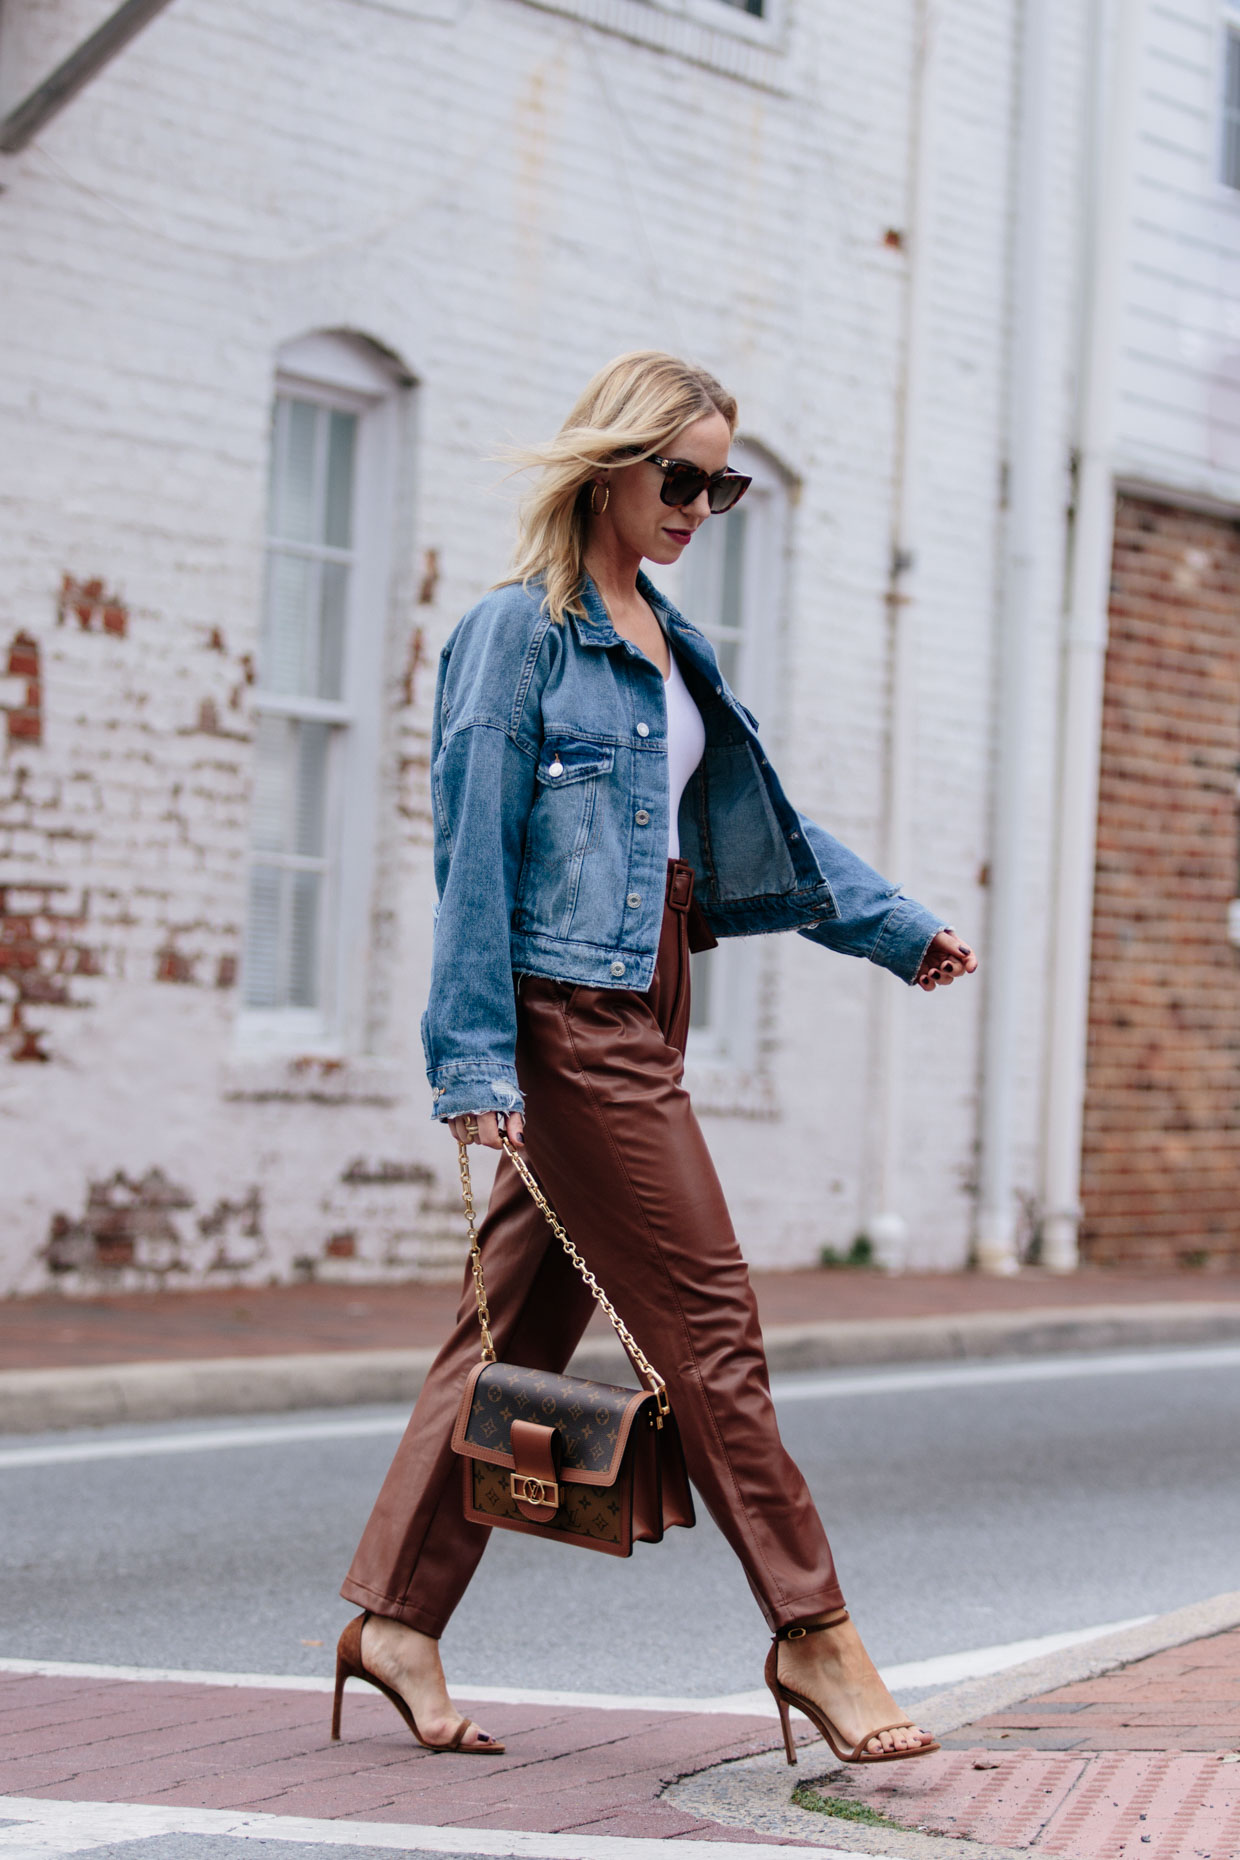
[22, 702]
[94, 609]
[413, 664]
[25, 1043]
[43, 950]
[126, 1223]
[172, 966]
[361, 1173]
[137, 1231]
[429, 584]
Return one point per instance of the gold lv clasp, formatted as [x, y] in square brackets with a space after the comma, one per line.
[536, 1491]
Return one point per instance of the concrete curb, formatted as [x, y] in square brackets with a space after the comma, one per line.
[32, 1400]
[978, 1698]
[755, 1792]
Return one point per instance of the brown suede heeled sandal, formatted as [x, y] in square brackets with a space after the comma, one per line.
[784, 1697]
[349, 1666]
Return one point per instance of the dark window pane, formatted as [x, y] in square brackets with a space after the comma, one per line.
[273, 745]
[286, 651]
[262, 939]
[1231, 113]
[333, 590]
[297, 445]
[700, 977]
[303, 978]
[310, 806]
[731, 611]
[338, 505]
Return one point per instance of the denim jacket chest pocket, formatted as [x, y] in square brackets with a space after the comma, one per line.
[570, 820]
[565, 760]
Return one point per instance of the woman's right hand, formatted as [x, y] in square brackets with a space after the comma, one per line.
[483, 1127]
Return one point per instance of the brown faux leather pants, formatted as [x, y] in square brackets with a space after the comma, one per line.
[613, 1139]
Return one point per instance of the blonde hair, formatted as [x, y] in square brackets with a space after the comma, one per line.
[633, 408]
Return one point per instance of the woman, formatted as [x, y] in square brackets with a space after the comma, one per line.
[601, 798]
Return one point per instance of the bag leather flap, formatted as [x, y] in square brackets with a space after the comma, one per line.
[593, 1420]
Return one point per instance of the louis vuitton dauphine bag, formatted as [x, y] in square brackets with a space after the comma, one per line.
[579, 1462]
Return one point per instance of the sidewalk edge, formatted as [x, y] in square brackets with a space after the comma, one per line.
[36, 1400]
[755, 1793]
[978, 1698]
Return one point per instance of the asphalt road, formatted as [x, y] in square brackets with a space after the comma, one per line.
[968, 1506]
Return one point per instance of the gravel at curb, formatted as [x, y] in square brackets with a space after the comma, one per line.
[32, 1400]
[755, 1793]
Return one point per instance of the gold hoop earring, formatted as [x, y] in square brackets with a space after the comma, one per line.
[596, 510]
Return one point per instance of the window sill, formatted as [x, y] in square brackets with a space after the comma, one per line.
[703, 32]
[721, 1090]
[315, 1078]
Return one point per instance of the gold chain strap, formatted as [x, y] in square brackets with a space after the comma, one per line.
[475, 1257]
[657, 1385]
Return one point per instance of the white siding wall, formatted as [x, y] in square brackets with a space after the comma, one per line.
[503, 194]
[1179, 416]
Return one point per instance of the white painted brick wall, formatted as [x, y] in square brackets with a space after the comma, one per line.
[505, 202]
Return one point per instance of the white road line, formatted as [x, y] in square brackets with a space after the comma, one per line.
[943, 1670]
[51, 1829]
[837, 1386]
[986, 1375]
[207, 1440]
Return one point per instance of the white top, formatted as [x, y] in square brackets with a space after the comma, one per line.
[686, 740]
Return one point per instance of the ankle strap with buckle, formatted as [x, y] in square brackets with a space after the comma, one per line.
[797, 1630]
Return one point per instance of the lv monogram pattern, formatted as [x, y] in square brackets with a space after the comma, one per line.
[585, 1510]
[588, 1415]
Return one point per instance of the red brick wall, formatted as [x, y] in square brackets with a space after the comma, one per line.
[1161, 1179]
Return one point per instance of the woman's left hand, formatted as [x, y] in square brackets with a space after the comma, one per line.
[946, 958]
[484, 1127]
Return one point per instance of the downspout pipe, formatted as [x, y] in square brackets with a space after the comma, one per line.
[1031, 409]
[1119, 29]
[74, 73]
[885, 1222]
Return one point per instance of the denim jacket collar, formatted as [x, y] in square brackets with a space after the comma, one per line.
[595, 628]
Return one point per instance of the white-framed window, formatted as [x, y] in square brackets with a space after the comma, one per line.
[1229, 125]
[316, 695]
[732, 586]
[747, 39]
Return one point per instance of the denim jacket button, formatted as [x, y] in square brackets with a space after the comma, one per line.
[617, 968]
[643, 729]
[556, 768]
[642, 817]
[633, 900]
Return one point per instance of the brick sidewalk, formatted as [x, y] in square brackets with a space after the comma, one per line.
[1139, 1764]
[48, 1332]
[565, 1769]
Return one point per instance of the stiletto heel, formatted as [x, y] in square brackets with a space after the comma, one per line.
[350, 1665]
[786, 1723]
[784, 1697]
[342, 1673]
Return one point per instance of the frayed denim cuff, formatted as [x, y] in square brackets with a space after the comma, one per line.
[468, 1087]
[906, 935]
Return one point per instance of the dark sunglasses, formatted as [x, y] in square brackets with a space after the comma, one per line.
[683, 483]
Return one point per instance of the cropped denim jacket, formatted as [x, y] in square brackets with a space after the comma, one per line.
[550, 793]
